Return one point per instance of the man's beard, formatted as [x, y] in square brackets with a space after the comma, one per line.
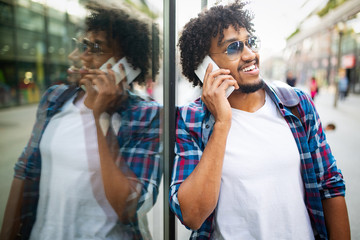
[251, 87]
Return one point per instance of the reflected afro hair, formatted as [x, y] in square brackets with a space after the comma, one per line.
[127, 35]
[195, 39]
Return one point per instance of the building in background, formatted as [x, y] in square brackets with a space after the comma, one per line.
[34, 45]
[327, 40]
[36, 39]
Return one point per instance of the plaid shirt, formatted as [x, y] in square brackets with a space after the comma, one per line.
[322, 179]
[138, 138]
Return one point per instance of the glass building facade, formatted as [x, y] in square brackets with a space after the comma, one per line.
[321, 49]
[34, 48]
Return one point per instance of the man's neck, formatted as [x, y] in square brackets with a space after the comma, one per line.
[249, 102]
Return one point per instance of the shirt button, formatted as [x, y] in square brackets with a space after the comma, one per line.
[207, 126]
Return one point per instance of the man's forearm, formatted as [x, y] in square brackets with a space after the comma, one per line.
[199, 193]
[116, 184]
[11, 220]
[336, 218]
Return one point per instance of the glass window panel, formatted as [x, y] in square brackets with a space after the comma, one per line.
[7, 47]
[56, 14]
[37, 7]
[29, 20]
[58, 48]
[24, 3]
[35, 54]
[56, 27]
[30, 45]
[6, 14]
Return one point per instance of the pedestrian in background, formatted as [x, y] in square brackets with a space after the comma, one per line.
[314, 88]
[290, 79]
[343, 84]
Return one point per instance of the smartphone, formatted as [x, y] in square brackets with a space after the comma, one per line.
[130, 72]
[201, 70]
[104, 66]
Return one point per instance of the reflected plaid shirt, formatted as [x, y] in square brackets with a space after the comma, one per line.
[320, 175]
[138, 138]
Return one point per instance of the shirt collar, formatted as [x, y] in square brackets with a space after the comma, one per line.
[209, 118]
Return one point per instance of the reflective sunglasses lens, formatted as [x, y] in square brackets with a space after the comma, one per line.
[234, 49]
[76, 44]
[254, 43]
[96, 49]
[84, 45]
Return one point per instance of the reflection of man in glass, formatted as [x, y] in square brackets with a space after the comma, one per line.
[92, 163]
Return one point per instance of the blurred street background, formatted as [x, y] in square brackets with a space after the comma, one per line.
[301, 40]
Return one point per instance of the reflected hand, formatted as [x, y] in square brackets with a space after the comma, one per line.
[103, 95]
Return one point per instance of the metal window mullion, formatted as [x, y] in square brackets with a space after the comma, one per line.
[169, 111]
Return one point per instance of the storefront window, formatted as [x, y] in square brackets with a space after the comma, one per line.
[6, 43]
[6, 14]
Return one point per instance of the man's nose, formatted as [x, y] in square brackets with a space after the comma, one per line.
[74, 55]
[247, 54]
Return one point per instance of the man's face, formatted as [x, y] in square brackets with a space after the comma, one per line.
[98, 50]
[245, 68]
[75, 62]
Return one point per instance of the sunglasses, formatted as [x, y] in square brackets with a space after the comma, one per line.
[87, 46]
[234, 50]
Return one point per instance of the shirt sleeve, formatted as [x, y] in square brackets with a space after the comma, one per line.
[28, 164]
[140, 147]
[187, 153]
[329, 178]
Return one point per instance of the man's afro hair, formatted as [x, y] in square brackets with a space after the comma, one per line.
[195, 39]
[132, 35]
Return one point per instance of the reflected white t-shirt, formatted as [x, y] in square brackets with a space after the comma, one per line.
[72, 203]
[262, 192]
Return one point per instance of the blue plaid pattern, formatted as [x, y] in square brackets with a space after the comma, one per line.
[320, 175]
[139, 143]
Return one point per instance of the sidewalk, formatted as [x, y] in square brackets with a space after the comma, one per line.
[344, 142]
[15, 129]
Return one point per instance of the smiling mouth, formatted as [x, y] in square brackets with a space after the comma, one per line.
[247, 69]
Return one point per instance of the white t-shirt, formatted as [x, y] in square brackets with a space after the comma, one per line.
[72, 203]
[262, 192]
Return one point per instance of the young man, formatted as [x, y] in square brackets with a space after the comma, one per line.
[246, 167]
[83, 176]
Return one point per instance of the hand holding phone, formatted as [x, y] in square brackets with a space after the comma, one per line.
[130, 72]
[201, 70]
[104, 69]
